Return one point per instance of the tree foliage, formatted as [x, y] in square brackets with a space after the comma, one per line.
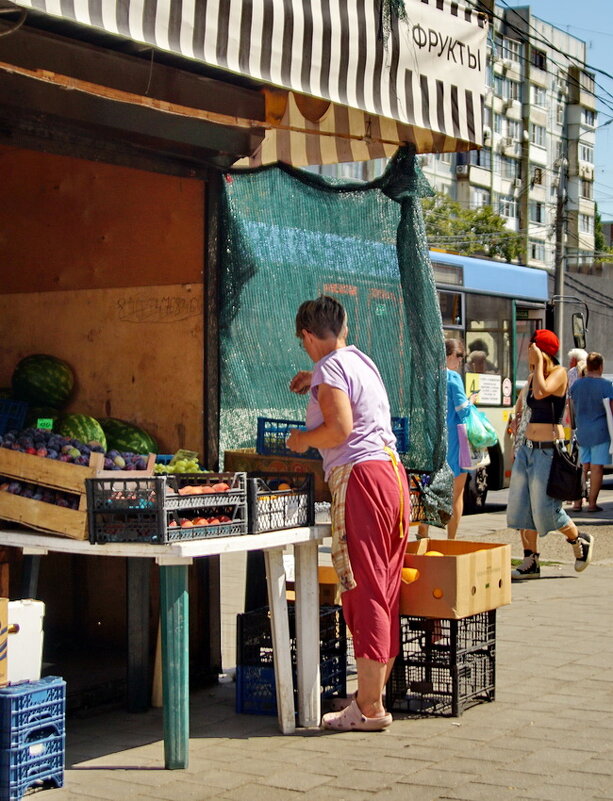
[470, 232]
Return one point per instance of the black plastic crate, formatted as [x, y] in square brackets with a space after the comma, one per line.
[255, 675]
[417, 481]
[444, 666]
[272, 507]
[160, 509]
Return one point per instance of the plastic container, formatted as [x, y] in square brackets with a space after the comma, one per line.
[36, 764]
[12, 415]
[25, 642]
[444, 666]
[29, 710]
[271, 509]
[255, 676]
[417, 481]
[151, 509]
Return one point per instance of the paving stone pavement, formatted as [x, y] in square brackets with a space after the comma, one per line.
[548, 734]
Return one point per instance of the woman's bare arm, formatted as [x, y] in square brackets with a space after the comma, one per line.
[338, 422]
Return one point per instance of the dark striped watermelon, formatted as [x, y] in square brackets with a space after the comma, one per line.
[82, 427]
[124, 436]
[43, 380]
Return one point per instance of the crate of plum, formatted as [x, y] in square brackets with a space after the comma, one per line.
[42, 478]
[279, 501]
[167, 508]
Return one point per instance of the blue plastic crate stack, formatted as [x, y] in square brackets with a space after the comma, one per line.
[255, 673]
[444, 666]
[167, 508]
[32, 736]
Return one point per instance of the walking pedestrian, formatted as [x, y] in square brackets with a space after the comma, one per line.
[529, 506]
[590, 420]
[348, 420]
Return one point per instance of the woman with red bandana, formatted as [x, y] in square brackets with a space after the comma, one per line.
[530, 509]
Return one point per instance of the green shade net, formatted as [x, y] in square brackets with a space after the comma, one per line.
[289, 235]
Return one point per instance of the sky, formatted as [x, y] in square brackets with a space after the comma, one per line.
[592, 21]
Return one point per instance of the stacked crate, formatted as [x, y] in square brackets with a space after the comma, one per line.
[444, 666]
[32, 736]
[277, 501]
[255, 673]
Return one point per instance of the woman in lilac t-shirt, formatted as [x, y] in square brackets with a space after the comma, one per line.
[348, 420]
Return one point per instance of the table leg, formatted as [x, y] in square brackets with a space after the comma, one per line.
[275, 576]
[307, 634]
[174, 610]
[137, 596]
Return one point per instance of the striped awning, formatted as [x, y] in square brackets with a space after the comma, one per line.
[425, 73]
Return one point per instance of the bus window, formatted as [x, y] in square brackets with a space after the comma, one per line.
[452, 310]
[488, 349]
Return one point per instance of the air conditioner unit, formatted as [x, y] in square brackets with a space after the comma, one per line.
[507, 141]
[586, 172]
[517, 183]
[462, 169]
[555, 183]
[507, 64]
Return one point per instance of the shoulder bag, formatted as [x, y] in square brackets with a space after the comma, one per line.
[566, 475]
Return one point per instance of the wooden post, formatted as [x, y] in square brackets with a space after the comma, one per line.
[307, 634]
[4, 573]
[174, 608]
[275, 575]
[138, 573]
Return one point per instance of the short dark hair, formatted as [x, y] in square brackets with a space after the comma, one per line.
[594, 361]
[451, 345]
[323, 317]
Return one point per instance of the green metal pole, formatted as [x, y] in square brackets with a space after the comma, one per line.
[174, 610]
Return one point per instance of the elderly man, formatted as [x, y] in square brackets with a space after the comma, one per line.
[575, 356]
[590, 420]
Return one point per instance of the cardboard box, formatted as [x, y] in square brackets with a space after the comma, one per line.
[248, 460]
[4, 631]
[469, 578]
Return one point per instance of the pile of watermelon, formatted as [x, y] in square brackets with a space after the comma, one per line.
[46, 383]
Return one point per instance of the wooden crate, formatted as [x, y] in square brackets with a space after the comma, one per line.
[56, 475]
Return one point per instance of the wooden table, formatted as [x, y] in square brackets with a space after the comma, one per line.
[173, 560]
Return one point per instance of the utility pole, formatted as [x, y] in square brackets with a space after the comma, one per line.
[560, 251]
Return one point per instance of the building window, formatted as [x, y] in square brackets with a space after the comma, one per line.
[537, 250]
[586, 224]
[560, 114]
[587, 82]
[487, 117]
[588, 117]
[506, 167]
[586, 152]
[539, 96]
[586, 189]
[498, 123]
[537, 134]
[507, 206]
[481, 158]
[537, 211]
[538, 59]
[558, 151]
[536, 175]
[512, 49]
[514, 129]
[479, 197]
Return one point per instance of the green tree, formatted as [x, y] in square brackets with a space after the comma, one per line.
[470, 232]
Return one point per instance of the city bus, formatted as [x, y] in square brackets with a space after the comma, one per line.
[494, 308]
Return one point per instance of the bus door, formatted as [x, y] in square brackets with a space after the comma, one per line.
[527, 318]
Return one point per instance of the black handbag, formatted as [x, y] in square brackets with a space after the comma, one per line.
[566, 475]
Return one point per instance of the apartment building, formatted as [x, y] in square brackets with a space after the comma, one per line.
[537, 166]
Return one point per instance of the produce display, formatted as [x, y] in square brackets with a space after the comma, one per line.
[67, 500]
[43, 380]
[83, 428]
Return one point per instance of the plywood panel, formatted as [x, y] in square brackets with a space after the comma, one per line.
[68, 223]
[136, 352]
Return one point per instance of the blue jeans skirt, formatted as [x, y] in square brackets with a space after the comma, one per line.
[529, 505]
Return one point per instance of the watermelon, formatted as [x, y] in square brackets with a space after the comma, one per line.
[82, 427]
[124, 436]
[43, 380]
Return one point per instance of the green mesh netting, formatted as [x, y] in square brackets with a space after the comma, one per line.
[289, 235]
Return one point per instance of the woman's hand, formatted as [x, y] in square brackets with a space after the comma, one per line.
[301, 383]
[536, 354]
[295, 441]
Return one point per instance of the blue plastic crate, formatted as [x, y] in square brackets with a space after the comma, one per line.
[272, 434]
[30, 708]
[12, 415]
[36, 764]
[400, 429]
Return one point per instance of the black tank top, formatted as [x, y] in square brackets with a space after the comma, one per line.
[546, 410]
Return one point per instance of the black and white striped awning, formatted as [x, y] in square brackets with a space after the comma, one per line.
[427, 72]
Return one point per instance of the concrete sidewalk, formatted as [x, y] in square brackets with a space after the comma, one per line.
[548, 735]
